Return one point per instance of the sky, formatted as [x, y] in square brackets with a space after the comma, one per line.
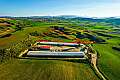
[85, 8]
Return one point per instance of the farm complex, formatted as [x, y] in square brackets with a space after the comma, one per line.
[46, 49]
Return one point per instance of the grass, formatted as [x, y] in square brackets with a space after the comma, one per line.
[19, 35]
[45, 70]
[100, 27]
[3, 33]
[109, 61]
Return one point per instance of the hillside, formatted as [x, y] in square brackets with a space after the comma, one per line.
[19, 33]
[46, 70]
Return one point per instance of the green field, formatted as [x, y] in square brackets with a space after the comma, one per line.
[45, 70]
[109, 59]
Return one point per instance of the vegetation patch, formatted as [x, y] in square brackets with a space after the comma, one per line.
[46, 70]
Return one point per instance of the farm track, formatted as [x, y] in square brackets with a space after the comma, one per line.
[94, 61]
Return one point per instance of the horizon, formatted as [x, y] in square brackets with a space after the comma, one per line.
[86, 8]
[61, 16]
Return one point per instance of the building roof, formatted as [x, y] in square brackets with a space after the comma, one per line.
[59, 43]
[45, 47]
[48, 53]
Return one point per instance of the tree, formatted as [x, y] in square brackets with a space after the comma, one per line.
[18, 26]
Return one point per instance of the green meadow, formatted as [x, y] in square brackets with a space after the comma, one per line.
[109, 59]
[45, 70]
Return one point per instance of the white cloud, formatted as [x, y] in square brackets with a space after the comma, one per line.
[109, 10]
[101, 10]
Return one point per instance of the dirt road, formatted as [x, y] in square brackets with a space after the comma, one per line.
[94, 61]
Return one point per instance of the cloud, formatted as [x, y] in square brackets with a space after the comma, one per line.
[105, 10]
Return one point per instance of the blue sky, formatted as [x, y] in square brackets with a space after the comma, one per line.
[89, 8]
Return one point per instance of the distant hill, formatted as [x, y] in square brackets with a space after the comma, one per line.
[112, 20]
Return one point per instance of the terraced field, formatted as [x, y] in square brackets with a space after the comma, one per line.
[19, 35]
